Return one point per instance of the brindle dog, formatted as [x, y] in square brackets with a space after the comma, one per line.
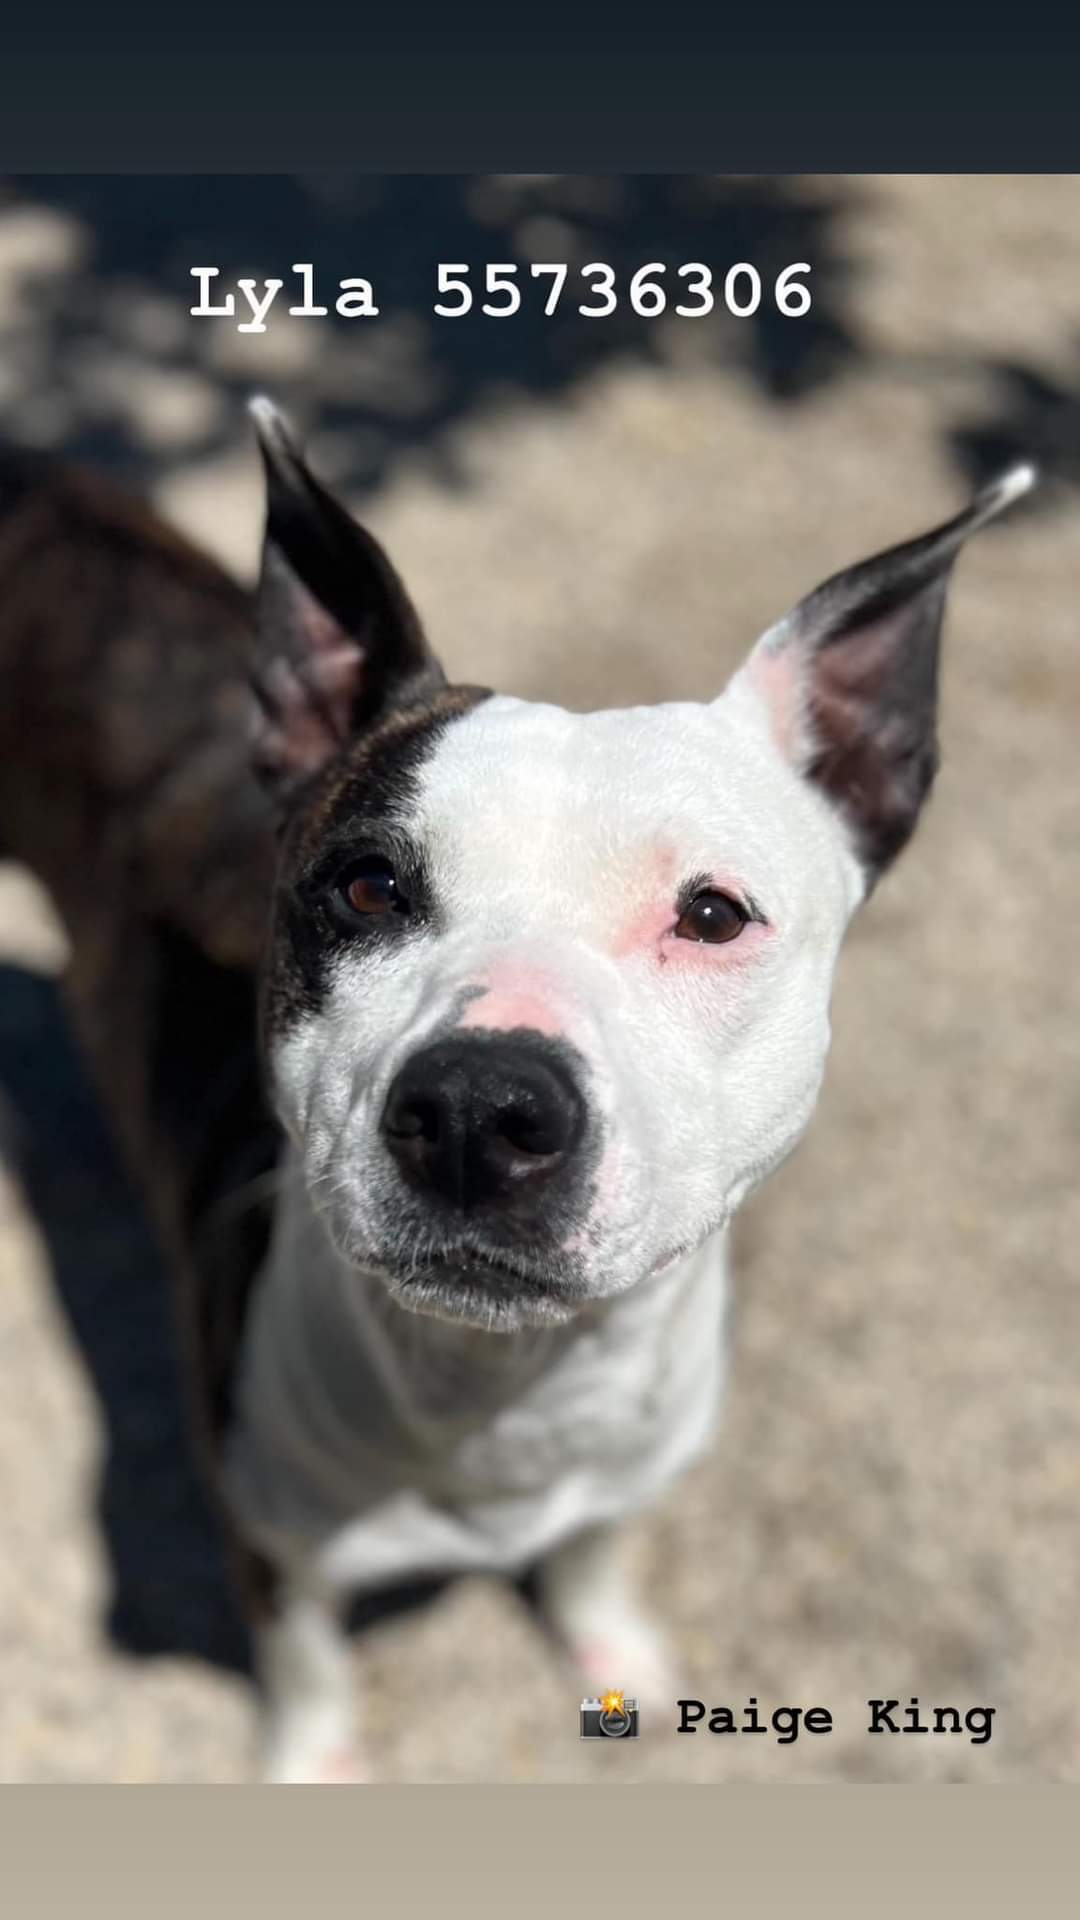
[126, 787]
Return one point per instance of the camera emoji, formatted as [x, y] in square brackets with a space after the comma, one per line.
[610, 1717]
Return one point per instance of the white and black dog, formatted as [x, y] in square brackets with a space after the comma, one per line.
[544, 996]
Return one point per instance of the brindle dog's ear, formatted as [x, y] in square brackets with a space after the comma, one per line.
[849, 678]
[338, 640]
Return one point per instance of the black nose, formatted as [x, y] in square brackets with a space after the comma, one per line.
[483, 1117]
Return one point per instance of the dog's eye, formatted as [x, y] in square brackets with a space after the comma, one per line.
[370, 886]
[712, 917]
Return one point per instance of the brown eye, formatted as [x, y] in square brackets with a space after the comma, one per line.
[370, 887]
[712, 917]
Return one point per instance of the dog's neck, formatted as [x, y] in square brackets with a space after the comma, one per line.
[345, 1400]
[431, 1374]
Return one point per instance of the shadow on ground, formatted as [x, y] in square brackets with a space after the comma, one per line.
[122, 293]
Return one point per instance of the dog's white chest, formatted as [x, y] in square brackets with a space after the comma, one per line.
[387, 1444]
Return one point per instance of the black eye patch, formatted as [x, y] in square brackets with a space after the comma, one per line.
[369, 880]
[354, 813]
[370, 888]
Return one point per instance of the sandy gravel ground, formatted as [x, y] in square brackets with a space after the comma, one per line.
[893, 1506]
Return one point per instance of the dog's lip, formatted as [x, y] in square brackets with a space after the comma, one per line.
[475, 1263]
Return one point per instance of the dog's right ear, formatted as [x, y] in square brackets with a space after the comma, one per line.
[338, 641]
[848, 680]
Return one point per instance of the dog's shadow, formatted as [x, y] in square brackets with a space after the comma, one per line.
[170, 1593]
[170, 1590]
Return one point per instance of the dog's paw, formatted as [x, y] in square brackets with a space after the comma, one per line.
[630, 1654]
[334, 1767]
[312, 1755]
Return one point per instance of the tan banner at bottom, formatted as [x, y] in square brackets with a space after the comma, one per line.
[547, 1850]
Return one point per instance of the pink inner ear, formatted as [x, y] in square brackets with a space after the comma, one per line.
[861, 747]
[819, 696]
[857, 665]
[774, 673]
[310, 698]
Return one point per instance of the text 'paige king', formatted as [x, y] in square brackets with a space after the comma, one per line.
[787, 1724]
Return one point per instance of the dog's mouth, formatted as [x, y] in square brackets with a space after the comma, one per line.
[483, 1287]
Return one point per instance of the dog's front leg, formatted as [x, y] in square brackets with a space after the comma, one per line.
[309, 1707]
[588, 1600]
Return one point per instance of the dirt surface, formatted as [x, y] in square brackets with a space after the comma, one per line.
[893, 1507]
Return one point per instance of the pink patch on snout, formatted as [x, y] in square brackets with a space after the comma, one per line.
[512, 999]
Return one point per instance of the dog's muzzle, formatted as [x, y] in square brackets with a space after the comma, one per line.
[486, 1124]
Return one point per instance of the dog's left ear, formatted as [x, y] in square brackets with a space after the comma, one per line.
[849, 678]
[338, 640]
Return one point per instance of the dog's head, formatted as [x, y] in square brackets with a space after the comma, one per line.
[548, 993]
